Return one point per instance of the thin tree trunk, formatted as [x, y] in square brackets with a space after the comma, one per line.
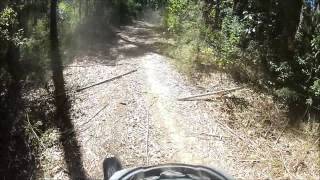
[80, 9]
[216, 21]
[217, 16]
[87, 8]
[208, 7]
[56, 63]
[239, 6]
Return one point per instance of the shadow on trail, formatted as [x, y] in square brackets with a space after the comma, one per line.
[62, 120]
[16, 152]
[68, 138]
[111, 45]
[71, 150]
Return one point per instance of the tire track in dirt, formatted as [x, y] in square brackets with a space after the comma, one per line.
[164, 114]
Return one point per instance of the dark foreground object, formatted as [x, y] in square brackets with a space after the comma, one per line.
[112, 171]
[110, 167]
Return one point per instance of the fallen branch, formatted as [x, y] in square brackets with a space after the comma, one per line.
[210, 93]
[105, 81]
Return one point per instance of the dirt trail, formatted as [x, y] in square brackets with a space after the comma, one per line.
[138, 118]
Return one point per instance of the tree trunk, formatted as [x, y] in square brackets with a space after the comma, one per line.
[217, 16]
[87, 8]
[80, 9]
[72, 153]
[56, 63]
[207, 12]
[239, 7]
[216, 21]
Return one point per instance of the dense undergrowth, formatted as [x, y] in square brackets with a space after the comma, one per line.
[267, 44]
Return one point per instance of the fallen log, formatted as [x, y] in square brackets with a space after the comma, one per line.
[209, 94]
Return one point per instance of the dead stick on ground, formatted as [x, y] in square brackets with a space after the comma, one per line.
[105, 81]
[283, 130]
[104, 107]
[251, 160]
[147, 144]
[248, 141]
[35, 134]
[316, 141]
[212, 135]
[210, 93]
[84, 66]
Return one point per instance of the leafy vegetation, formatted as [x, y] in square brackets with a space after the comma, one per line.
[263, 42]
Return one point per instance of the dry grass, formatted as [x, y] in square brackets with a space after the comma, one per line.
[51, 159]
[272, 146]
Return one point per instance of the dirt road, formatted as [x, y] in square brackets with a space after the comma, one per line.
[137, 117]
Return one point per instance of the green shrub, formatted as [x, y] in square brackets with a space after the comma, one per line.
[253, 44]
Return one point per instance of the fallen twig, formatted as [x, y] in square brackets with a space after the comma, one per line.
[35, 134]
[283, 130]
[104, 107]
[105, 81]
[232, 132]
[316, 141]
[251, 160]
[286, 167]
[213, 135]
[210, 93]
[84, 66]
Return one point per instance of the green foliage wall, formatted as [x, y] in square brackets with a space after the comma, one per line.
[273, 44]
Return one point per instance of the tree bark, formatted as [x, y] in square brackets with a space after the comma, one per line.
[239, 7]
[217, 16]
[80, 9]
[206, 11]
[56, 63]
[215, 21]
[69, 141]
